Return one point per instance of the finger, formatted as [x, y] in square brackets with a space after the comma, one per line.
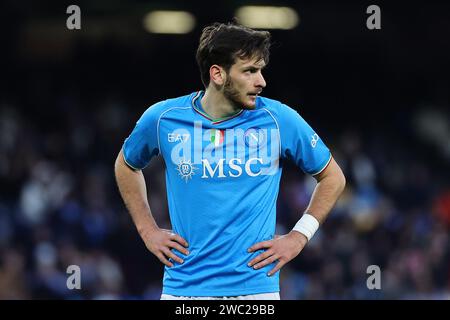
[179, 239]
[260, 245]
[260, 257]
[178, 247]
[163, 259]
[266, 261]
[171, 255]
[276, 268]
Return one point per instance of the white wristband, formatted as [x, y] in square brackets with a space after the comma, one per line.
[307, 225]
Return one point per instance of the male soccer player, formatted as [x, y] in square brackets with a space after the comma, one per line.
[224, 150]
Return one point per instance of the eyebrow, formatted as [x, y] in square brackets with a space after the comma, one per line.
[254, 67]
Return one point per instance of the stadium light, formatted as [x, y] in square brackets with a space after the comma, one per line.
[265, 17]
[170, 22]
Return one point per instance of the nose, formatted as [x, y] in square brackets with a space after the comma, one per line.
[260, 82]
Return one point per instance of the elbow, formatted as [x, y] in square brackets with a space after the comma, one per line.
[339, 178]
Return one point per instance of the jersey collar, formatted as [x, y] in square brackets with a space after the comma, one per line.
[197, 106]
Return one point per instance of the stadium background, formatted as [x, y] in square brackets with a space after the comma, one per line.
[380, 99]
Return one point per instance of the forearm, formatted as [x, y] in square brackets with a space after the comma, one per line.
[133, 190]
[331, 183]
[328, 189]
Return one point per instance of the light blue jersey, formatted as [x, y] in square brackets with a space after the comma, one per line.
[222, 178]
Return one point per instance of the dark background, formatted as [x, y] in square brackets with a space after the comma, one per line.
[379, 99]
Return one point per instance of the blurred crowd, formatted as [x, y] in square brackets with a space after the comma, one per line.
[59, 206]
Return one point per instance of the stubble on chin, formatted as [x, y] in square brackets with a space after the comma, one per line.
[233, 95]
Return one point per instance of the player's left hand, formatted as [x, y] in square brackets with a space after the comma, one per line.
[283, 248]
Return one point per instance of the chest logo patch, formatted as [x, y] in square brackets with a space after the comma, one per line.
[254, 137]
[186, 169]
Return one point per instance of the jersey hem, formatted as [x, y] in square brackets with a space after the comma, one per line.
[215, 293]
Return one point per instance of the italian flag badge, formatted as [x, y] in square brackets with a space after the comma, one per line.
[217, 137]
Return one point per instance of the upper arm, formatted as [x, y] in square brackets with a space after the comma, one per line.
[300, 143]
[121, 162]
[331, 170]
[142, 144]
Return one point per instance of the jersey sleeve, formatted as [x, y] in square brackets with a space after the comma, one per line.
[142, 144]
[300, 143]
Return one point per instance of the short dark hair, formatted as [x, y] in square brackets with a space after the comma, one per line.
[222, 43]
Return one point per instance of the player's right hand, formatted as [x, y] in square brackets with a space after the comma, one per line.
[161, 241]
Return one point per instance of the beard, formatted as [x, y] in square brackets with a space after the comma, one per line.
[232, 94]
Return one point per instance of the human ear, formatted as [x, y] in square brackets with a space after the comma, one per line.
[217, 74]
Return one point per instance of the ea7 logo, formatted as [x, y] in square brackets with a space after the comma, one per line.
[314, 139]
[178, 137]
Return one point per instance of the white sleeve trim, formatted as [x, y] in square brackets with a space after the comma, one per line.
[326, 165]
[127, 163]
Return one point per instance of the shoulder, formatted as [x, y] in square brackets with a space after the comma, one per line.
[278, 110]
[159, 109]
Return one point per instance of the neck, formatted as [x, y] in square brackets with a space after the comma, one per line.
[216, 105]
